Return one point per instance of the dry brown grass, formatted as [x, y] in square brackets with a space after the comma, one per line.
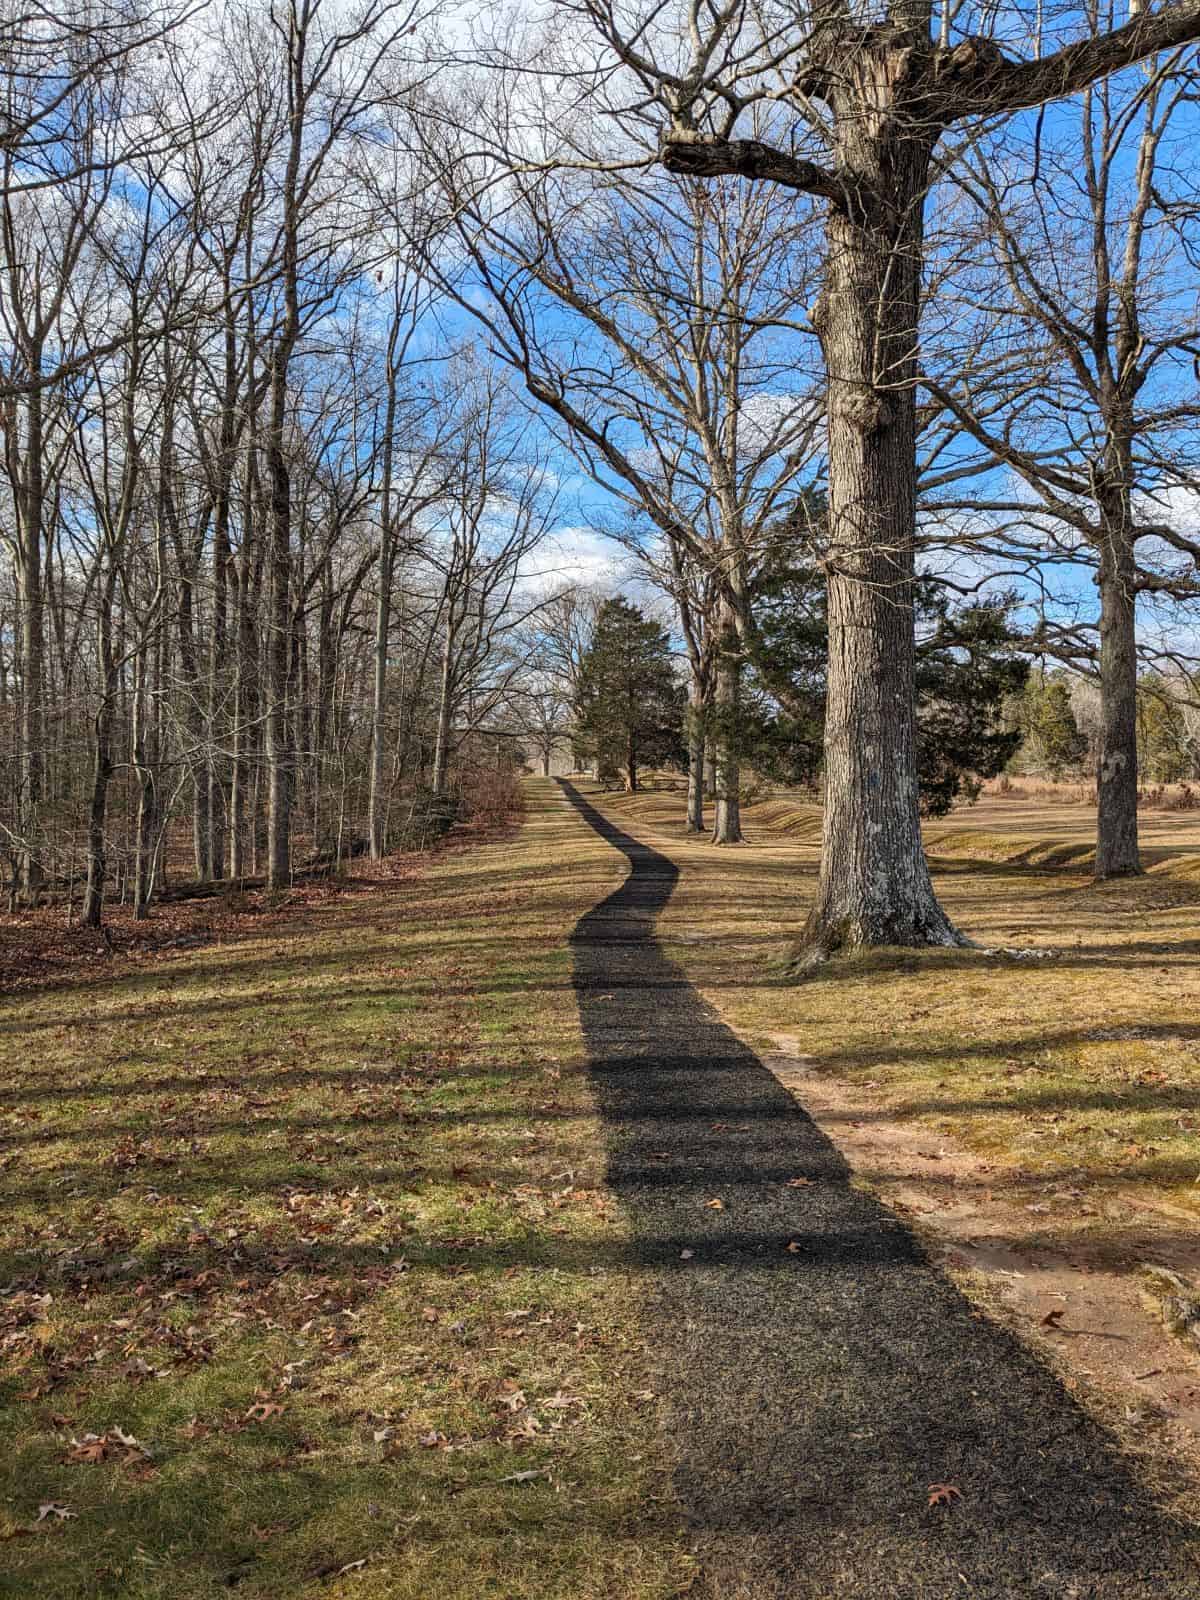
[1075, 1078]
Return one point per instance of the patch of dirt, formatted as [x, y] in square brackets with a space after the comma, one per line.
[1083, 1307]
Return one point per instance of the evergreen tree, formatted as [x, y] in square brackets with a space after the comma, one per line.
[968, 665]
[629, 705]
[1162, 735]
[1050, 736]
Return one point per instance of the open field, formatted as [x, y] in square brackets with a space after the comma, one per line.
[309, 1286]
[1085, 1062]
[312, 1282]
[1040, 1112]
[1022, 829]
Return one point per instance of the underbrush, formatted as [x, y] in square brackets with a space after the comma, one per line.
[45, 944]
[1151, 796]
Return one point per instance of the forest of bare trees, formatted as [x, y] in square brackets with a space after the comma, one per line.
[322, 320]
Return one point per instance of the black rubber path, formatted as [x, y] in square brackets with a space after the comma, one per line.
[815, 1394]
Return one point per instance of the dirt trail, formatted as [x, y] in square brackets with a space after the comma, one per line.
[818, 1374]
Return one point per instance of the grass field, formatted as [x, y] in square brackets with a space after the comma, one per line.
[1077, 1071]
[309, 1286]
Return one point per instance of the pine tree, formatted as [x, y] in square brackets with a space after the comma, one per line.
[1162, 735]
[629, 705]
[1050, 736]
[968, 664]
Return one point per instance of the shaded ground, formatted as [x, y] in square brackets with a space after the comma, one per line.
[819, 1375]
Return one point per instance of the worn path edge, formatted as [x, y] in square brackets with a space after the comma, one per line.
[817, 1373]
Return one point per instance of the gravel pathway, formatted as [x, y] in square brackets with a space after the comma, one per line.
[818, 1374]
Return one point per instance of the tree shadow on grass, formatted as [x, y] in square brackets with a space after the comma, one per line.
[816, 1393]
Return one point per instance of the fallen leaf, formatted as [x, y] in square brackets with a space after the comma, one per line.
[944, 1494]
[88, 1450]
[714, 1205]
[116, 1443]
[263, 1411]
[50, 1508]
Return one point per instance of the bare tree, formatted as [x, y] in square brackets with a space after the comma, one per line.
[661, 325]
[496, 511]
[849, 111]
[1079, 385]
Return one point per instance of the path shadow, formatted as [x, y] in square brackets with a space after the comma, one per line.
[814, 1394]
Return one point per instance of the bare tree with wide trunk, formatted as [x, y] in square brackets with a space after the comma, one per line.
[852, 111]
[690, 404]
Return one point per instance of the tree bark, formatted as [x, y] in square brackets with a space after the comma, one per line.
[28, 500]
[874, 886]
[1117, 852]
[710, 769]
[147, 812]
[376, 805]
[695, 791]
[93, 894]
[279, 653]
[441, 749]
[727, 815]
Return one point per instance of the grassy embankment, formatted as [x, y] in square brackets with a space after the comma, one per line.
[309, 1283]
[1075, 1078]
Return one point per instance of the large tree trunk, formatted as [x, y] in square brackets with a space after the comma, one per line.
[874, 886]
[1117, 853]
[695, 789]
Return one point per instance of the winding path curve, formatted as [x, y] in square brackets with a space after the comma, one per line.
[819, 1374]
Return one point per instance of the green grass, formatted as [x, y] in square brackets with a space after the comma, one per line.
[317, 1218]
